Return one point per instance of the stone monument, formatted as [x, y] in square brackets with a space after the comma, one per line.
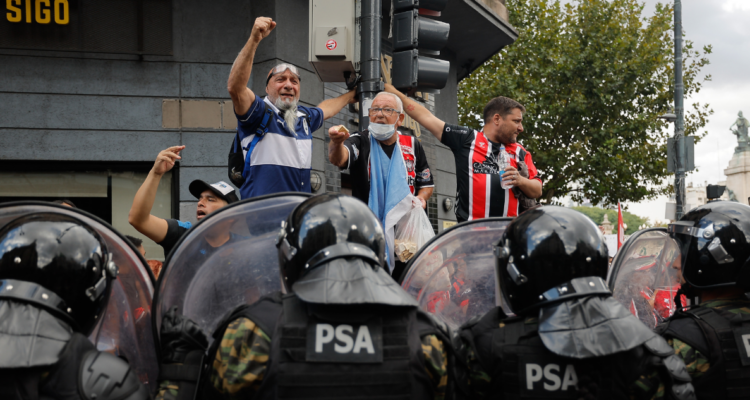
[738, 171]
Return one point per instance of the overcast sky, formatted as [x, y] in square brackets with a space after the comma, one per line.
[724, 24]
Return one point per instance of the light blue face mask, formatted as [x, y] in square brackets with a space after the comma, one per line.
[381, 132]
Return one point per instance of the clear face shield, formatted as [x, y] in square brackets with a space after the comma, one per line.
[229, 259]
[124, 327]
[453, 276]
[646, 275]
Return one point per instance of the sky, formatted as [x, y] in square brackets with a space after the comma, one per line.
[724, 24]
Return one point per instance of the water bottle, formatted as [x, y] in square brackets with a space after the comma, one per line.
[503, 162]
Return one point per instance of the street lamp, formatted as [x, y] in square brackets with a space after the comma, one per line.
[678, 116]
[669, 116]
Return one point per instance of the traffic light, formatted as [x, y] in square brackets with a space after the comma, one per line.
[415, 36]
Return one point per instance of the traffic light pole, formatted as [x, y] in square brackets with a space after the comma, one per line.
[679, 126]
[370, 83]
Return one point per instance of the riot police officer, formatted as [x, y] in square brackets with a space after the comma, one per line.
[569, 338]
[713, 337]
[55, 280]
[344, 328]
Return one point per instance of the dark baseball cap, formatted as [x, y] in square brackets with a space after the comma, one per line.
[221, 189]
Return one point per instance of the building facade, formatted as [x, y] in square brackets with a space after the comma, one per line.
[92, 90]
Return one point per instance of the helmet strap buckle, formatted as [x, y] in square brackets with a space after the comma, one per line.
[719, 252]
[517, 277]
[97, 290]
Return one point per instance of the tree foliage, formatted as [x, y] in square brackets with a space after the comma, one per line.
[594, 75]
[597, 215]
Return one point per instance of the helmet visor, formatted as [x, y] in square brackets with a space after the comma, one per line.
[206, 281]
[645, 275]
[453, 276]
[122, 329]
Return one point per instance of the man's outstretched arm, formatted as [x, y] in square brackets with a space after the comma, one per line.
[242, 96]
[332, 107]
[140, 217]
[338, 154]
[419, 113]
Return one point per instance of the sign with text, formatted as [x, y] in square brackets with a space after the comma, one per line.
[102, 26]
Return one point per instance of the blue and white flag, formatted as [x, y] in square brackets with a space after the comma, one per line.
[390, 197]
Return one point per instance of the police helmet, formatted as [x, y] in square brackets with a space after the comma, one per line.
[714, 241]
[326, 227]
[59, 263]
[543, 251]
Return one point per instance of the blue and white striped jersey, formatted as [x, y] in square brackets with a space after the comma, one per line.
[280, 161]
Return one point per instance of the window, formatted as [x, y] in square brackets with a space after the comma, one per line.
[105, 192]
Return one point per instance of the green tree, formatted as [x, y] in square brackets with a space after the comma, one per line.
[593, 76]
[597, 215]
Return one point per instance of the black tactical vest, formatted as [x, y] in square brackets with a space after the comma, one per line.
[352, 352]
[61, 383]
[520, 366]
[724, 338]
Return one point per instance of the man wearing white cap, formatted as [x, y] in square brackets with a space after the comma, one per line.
[166, 232]
[275, 132]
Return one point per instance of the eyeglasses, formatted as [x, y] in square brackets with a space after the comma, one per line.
[385, 111]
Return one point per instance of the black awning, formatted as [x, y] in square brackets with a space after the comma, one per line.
[477, 33]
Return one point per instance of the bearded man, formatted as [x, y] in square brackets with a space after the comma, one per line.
[480, 179]
[275, 132]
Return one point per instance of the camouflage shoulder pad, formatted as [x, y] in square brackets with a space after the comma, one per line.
[658, 346]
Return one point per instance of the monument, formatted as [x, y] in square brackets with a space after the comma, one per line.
[606, 226]
[738, 171]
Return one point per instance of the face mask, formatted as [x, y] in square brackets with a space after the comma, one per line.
[381, 132]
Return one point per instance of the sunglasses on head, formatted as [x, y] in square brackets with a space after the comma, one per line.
[279, 69]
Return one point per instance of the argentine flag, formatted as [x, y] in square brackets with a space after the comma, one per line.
[390, 197]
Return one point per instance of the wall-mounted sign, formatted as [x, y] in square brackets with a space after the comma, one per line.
[106, 26]
[38, 11]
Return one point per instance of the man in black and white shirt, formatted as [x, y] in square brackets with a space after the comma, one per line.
[352, 152]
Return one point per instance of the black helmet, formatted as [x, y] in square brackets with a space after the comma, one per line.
[714, 242]
[544, 249]
[322, 228]
[59, 263]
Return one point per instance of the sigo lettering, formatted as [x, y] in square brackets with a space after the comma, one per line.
[549, 376]
[39, 11]
[346, 339]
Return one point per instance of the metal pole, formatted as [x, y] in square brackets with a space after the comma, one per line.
[370, 83]
[679, 126]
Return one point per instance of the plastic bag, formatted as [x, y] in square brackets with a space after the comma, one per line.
[412, 232]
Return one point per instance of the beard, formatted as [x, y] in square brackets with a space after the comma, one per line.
[289, 111]
[508, 137]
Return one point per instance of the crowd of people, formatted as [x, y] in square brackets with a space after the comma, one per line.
[338, 325]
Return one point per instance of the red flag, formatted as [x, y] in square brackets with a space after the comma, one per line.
[620, 227]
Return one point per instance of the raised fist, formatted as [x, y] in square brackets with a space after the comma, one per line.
[262, 28]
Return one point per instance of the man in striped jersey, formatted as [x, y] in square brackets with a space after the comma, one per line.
[479, 194]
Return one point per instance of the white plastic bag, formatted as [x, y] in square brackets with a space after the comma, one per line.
[412, 232]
